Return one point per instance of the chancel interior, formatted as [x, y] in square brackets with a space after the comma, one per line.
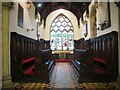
[49, 45]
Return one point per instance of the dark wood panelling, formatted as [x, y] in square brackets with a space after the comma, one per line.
[81, 62]
[19, 48]
[97, 60]
[30, 59]
[78, 44]
[105, 49]
[44, 44]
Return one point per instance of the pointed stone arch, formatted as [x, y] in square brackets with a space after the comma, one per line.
[59, 15]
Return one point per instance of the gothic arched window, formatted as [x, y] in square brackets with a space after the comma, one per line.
[61, 34]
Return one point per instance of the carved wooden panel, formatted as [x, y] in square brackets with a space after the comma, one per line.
[79, 44]
[105, 52]
[30, 60]
[20, 50]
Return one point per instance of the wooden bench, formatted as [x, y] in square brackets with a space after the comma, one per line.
[28, 66]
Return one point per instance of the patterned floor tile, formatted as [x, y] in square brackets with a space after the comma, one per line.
[54, 78]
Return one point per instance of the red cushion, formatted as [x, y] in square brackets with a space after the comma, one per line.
[29, 71]
[98, 70]
[28, 60]
[62, 60]
[99, 60]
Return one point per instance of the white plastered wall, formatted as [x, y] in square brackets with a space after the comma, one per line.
[28, 21]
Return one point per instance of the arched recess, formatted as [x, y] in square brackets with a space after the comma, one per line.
[93, 31]
[70, 16]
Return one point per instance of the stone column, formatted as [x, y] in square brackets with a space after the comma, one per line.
[93, 32]
[0, 45]
[6, 79]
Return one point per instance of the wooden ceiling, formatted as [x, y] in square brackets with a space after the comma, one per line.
[77, 8]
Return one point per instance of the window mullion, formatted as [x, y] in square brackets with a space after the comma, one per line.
[62, 26]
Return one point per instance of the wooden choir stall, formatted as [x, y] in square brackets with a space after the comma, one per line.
[30, 59]
[96, 59]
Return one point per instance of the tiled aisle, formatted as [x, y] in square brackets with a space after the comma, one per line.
[63, 78]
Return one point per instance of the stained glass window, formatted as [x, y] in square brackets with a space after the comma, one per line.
[61, 34]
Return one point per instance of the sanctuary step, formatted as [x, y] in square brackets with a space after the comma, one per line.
[62, 60]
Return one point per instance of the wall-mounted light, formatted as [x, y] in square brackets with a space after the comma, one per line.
[87, 12]
[30, 30]
[84, 21]
[98, 28]
[38, 19]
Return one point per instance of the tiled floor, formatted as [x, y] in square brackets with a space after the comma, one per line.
[64, 78]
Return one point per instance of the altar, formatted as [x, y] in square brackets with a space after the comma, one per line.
[62, 53]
